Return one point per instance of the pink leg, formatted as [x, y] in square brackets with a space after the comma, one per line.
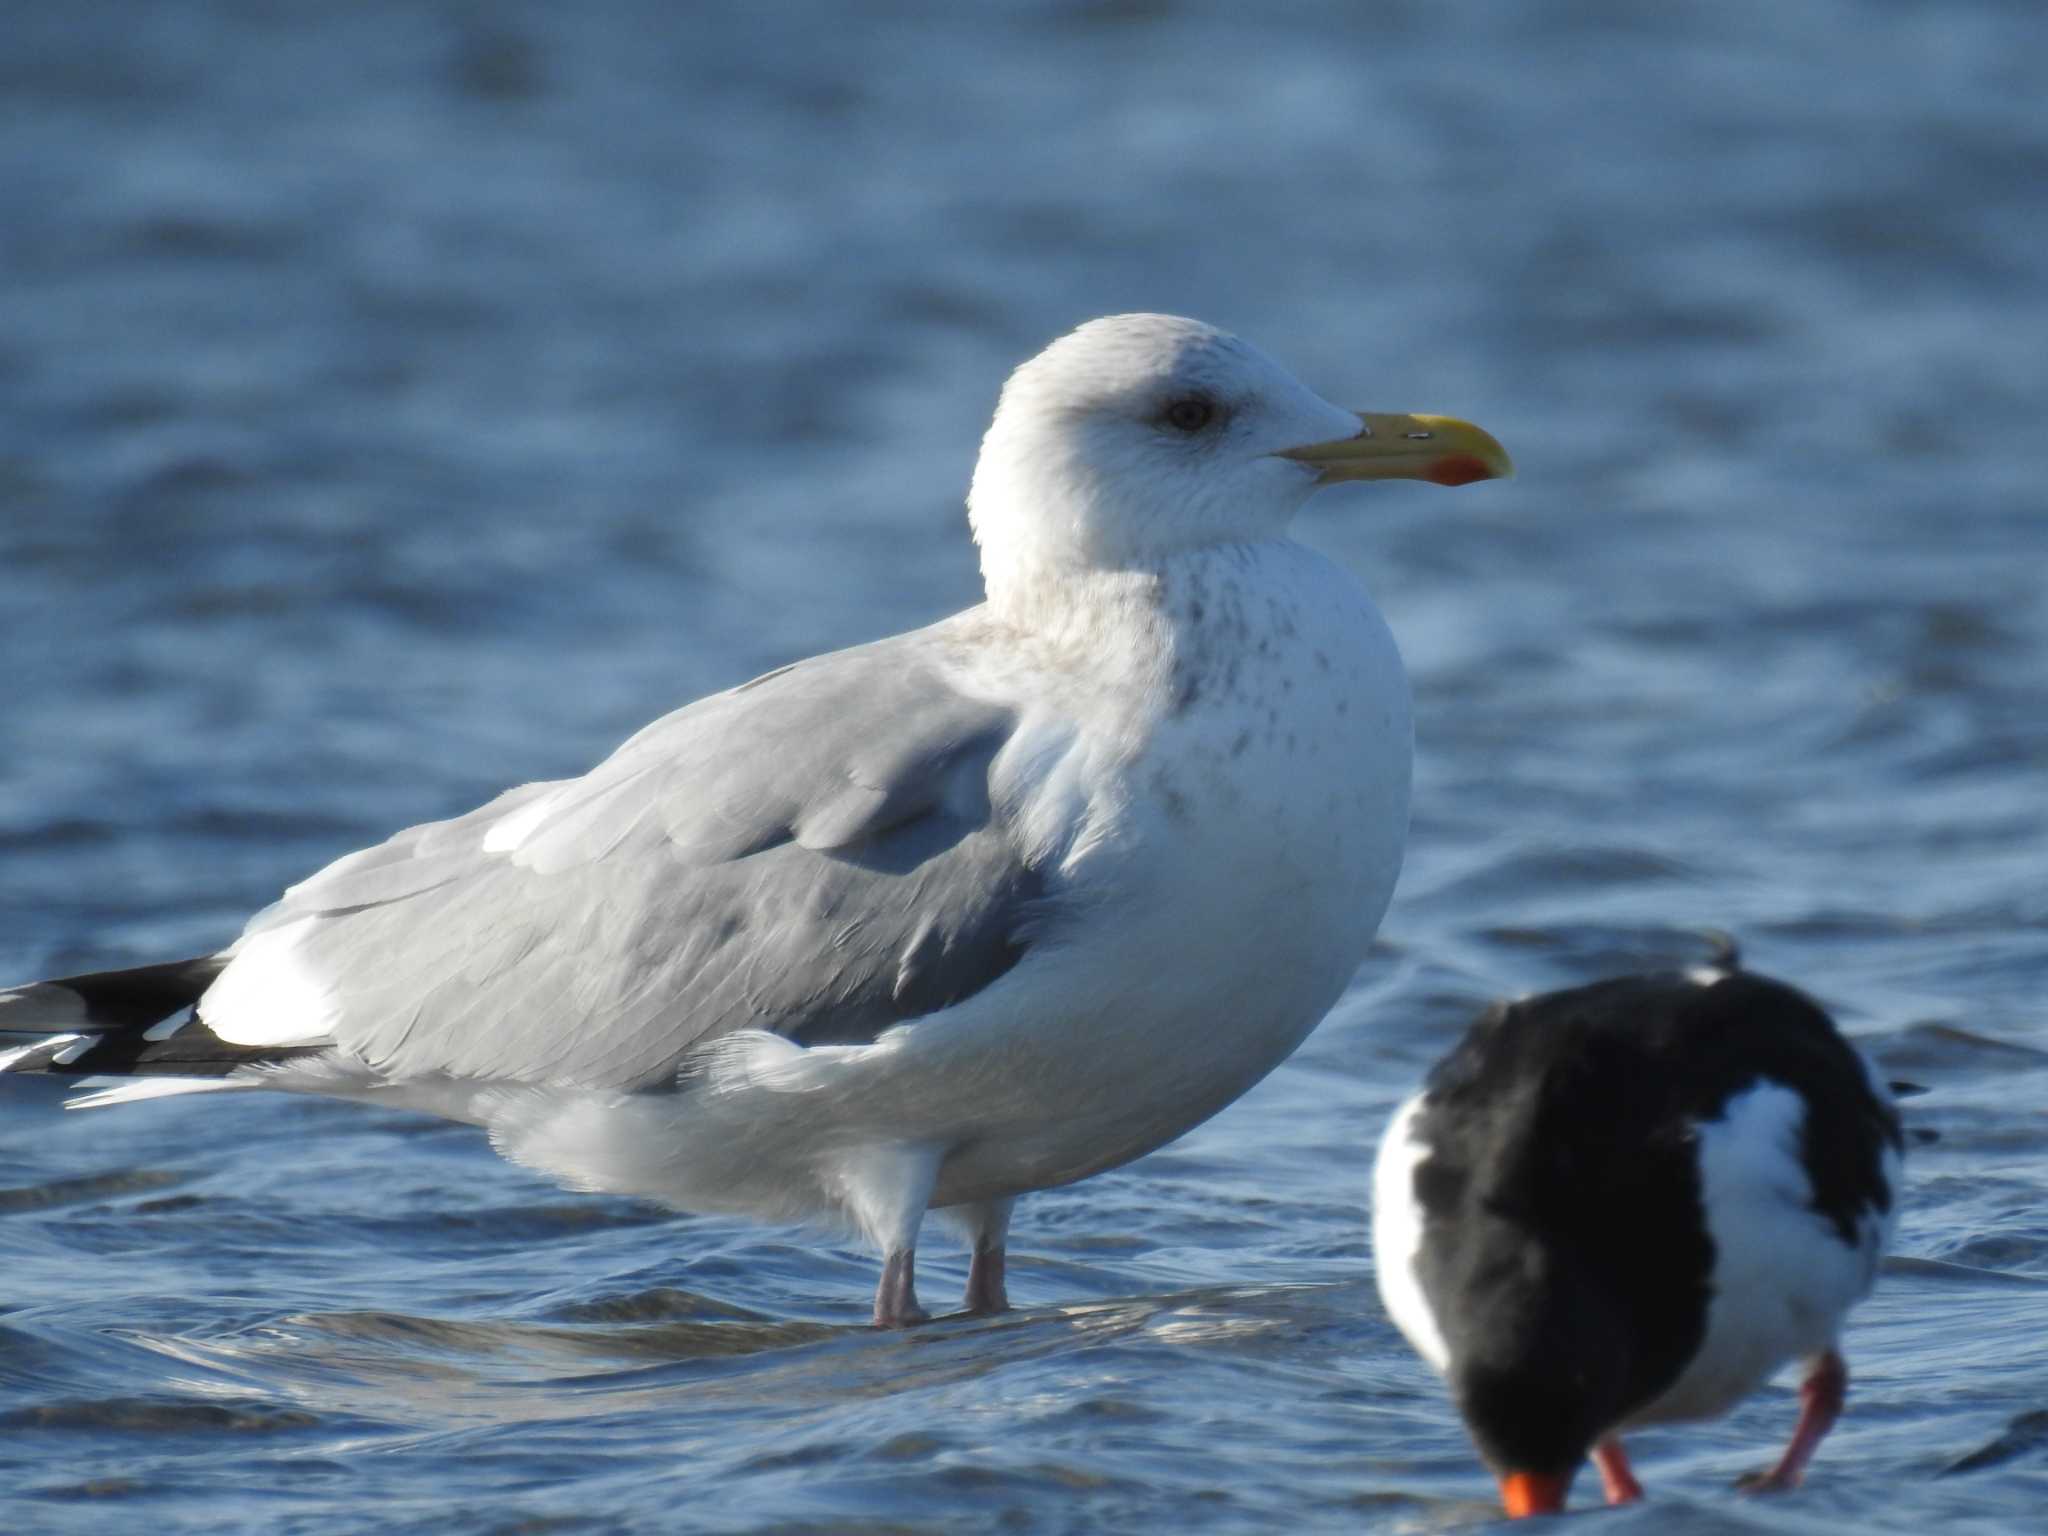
[896, 1297]
[1821, 1397]
[985, 1291]
[1617, 1477]
[988, 1227]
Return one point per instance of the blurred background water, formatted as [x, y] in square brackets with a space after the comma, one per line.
[401, 401]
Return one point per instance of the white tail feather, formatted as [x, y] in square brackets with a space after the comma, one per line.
[127, 1090]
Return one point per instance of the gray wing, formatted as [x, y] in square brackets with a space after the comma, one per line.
[813, 853]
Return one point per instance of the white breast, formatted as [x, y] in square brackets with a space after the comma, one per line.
[1248, 835]
[1275, 805]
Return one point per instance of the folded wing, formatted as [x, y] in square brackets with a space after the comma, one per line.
[814, 854]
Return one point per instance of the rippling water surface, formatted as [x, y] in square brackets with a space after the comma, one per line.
[402, 401]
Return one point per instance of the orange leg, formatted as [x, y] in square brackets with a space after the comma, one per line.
[1821, 1397]
[1617, 1478]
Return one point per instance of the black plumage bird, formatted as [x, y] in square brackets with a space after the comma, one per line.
[1633, 1202]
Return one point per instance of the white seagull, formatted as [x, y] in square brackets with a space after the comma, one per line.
[932, 922]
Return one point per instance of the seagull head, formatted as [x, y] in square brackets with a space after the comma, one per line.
[1138, 436]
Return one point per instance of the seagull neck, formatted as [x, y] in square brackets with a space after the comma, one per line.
[1141, 616]
[1045, 595]
[1080, 608]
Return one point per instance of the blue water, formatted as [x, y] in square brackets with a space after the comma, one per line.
[397, 402]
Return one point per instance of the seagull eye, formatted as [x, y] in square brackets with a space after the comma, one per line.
[1190, 413]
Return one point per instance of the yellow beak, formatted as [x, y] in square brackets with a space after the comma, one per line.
[1441, 449]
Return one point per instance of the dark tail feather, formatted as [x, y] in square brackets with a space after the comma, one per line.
[122, 1023]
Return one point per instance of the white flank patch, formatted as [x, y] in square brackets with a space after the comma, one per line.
[268, 995]
[124, 1090]
[1783, 1278]
[885, 1187]
[1707, 975]
[508, 832]
[1397, 1236]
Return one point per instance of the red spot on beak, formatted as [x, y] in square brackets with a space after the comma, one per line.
[1533, 1493]
[1458, 469]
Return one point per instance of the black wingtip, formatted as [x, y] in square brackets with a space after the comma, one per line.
[135, 998]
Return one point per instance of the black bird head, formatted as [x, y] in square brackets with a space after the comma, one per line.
[1541, 1372]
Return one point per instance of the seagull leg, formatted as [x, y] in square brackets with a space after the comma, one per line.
[896, 1297]
[1821, 1397]
[886, 1187]
[988, 1230]
[1617, 1477]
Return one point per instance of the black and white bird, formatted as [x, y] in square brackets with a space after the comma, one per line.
[926, 924]
[1631, 1203]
